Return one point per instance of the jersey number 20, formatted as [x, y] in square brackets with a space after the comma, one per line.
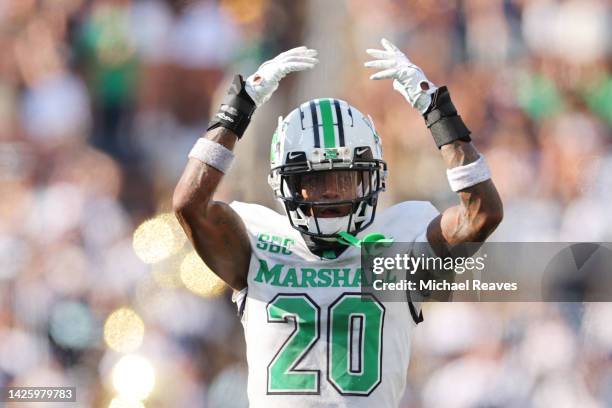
[354, 344]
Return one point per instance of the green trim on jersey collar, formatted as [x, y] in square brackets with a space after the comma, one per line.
[329, 254]
[351, 240]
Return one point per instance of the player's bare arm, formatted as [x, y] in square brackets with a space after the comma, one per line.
[213, 227]
[480, 209]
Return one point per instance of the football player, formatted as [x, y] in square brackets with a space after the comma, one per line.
[312, 340]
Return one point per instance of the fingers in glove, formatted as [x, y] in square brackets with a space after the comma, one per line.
[380, 53]
[310, 53]
[293, 51]
[309, 60]
[386, 74]
[381, 64]
[301, 51]
[296, 66]
[389, 46]
[397, 85]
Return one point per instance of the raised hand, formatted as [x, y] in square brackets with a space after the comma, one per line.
[261, 85]
[408, 79]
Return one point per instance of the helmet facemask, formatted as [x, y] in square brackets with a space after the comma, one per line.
[335, 197]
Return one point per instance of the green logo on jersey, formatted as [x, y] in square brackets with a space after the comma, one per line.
[274, 243]
[296, 277]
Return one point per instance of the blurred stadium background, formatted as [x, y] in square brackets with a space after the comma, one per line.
[100, 101]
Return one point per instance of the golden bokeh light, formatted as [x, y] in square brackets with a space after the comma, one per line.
[158, 238]
[122, 402]
[124, 330]
[133, 377]
[166, 273]
[198, 278]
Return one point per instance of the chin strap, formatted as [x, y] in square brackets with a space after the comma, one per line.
[347, 239]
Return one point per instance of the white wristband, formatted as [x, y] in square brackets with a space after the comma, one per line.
[213, 154]
[466, 176]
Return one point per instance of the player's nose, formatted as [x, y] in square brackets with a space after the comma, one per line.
[330, 195]
[331, 191]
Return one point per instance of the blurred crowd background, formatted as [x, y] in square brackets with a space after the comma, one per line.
[100, 101]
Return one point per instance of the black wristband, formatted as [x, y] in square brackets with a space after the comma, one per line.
[236, 110]
[442, 120]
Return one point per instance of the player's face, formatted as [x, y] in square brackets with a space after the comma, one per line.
[329, 187]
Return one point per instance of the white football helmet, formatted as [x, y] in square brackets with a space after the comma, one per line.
[327, 135]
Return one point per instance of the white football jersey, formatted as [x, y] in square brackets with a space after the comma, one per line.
[311, 340]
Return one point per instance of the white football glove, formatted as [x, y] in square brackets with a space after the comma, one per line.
[261, 85]
[408, 79]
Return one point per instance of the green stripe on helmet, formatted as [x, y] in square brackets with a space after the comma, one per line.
[329, 139]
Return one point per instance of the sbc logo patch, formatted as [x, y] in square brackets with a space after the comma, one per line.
[274, 243]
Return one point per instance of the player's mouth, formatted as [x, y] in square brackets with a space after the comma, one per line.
[333, 212]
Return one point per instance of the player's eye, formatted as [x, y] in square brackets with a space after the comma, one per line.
[294, 184]
[347, 183]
